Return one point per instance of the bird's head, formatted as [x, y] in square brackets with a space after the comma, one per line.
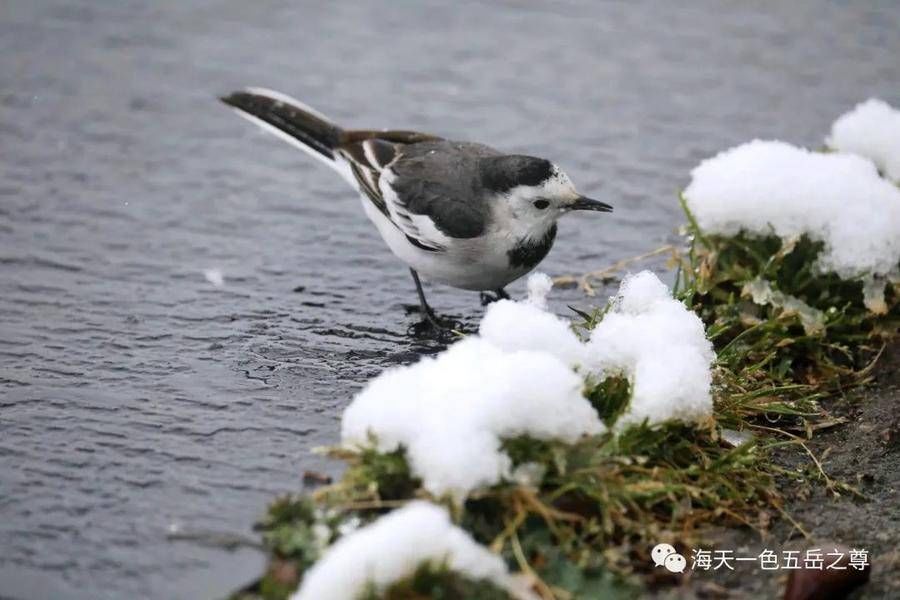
[533, 191]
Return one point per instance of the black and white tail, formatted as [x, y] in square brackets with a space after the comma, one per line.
[359, 156]
[291, 120]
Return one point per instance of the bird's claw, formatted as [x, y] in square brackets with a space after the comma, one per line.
[488, 297]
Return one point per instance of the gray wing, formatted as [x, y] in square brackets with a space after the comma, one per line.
[370, 152]
[440, 180]
[428, 176]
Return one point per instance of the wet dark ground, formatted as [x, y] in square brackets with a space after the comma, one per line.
[863, 451]
[137, 396]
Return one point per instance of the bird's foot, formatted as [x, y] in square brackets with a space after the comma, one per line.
[433, 327]
[488, 297]
[431, 319]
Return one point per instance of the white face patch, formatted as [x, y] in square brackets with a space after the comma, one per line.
[530, 210]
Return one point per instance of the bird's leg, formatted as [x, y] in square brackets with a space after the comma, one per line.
[499, 294]
[427, 314]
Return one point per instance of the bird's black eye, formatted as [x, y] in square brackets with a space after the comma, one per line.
[541, 204]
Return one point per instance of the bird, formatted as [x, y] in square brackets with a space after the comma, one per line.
[457, 213]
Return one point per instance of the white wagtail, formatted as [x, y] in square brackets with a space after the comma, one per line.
[459, 213]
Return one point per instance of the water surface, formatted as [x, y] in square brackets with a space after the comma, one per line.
[136, 396]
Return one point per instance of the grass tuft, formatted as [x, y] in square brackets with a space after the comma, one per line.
[769, 310]
[437, 582]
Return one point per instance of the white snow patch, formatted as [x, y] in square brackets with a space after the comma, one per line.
[539, 286]
[451, 412]
[661, 347]
[766, 187]
[513, 326]
[214, 276]
[871, 129]
[393, 547]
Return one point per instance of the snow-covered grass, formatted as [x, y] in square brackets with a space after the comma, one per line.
[871, 129]
[509, 423]
[794, 260]
[770, 187]
[568, 455]
[392, 549]
[660, 347]
[450, 413]
[645, 336]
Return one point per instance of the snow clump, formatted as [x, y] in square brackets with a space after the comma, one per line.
[766, 187]
[661, 347]
[871, 129]
[513, 326]
[451, 412]
[391, 549]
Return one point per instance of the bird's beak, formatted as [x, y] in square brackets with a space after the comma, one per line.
[583, 203]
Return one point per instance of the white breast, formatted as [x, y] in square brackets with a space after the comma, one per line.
[479, 264]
